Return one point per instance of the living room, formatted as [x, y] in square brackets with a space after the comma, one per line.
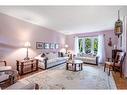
[45, 31]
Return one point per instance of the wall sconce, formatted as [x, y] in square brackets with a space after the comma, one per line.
[118, 26]
[66, 46]
[27, 45]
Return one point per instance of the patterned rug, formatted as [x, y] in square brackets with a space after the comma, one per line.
[91, 77]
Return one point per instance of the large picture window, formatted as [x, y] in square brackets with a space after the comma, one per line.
[88, 45]
[80, 41]
[95, 45]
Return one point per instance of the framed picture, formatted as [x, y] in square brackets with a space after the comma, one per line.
[46, 45]
[39, 45]
[52, 46]
[56, 46]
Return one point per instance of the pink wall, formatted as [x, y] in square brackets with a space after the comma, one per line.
[14, 33]
[108, 34]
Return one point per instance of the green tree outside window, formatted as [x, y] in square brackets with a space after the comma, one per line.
[88, 45]
[95, 45]
[80, 45]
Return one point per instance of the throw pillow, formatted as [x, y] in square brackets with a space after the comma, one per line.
[59, 54]
[62, 55]
[43, 55]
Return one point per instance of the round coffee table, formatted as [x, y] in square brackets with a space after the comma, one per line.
[74, 65]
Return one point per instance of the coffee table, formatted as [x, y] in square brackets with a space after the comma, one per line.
[74, 65]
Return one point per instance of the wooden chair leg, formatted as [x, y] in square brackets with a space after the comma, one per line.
[109, 71]
[104, 67]
[121, 72]
[114, 70]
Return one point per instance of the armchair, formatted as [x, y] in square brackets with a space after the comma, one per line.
[116, 64]
[7, 75]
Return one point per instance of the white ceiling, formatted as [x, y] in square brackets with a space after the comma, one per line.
[68, 19]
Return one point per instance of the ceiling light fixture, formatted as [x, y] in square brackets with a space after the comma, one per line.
[118, 26]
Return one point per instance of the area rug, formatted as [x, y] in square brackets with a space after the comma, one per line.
[91, 77]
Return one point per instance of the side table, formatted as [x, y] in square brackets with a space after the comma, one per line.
[27, 66]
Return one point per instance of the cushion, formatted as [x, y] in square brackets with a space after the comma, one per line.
[62, 55]
[4, 77]
[40, 58]
[43, 55]
[59, 54]
[52, 55]
[3, 68]
[52, 60]
[109, 63]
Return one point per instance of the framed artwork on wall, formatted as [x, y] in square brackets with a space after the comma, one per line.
[52, 46]
[56, 46]
[39, 45]
[46, 45]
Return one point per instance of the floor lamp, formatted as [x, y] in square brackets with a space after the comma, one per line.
[27, 45]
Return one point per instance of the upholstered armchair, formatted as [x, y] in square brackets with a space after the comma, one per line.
[115, 65]
[7, 75]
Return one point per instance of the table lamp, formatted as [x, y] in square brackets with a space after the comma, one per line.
[27, 45]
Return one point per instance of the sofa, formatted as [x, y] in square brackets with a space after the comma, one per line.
[88, 58]
[49, 60]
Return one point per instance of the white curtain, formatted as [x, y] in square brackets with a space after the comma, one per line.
[76, 46]
[101, 48]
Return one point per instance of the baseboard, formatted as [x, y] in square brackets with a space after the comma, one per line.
[90, 63]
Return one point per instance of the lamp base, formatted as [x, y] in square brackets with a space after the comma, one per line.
[27, 58]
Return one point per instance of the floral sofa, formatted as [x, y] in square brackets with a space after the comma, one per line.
[50, 60]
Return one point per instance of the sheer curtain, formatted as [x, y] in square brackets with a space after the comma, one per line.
[101, 48]
[76, 46]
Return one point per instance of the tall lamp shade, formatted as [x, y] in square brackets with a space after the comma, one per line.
[27, 45]
[66, 46]
[118, 26]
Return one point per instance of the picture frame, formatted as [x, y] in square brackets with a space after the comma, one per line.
[46, 45]
[39, 45]
[52, 46]
[56, 46]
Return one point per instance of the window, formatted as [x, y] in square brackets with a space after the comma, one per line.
[88, 45]
[80, 45]
[95, 45]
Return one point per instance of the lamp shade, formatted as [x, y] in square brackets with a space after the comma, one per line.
[66, 46]
[27, 44]
[118, 26]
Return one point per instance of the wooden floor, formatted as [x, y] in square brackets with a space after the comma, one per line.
[26, 75]
[121, 83]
